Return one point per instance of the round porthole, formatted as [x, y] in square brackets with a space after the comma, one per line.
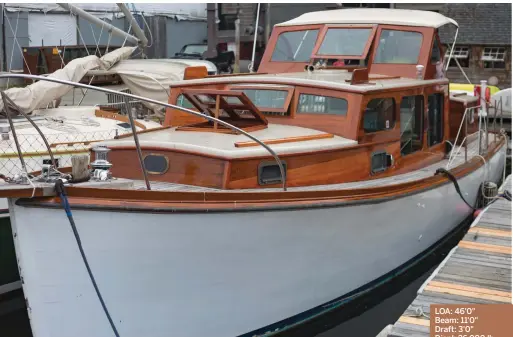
[156, 164]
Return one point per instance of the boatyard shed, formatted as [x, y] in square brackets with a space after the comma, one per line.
[167, 26]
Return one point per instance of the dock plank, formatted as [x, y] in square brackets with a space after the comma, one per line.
[477, 271]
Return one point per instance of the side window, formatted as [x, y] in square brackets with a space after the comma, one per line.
[379, 115]
[436, 53]
[315, 104]
[435, 119]
[412, 112]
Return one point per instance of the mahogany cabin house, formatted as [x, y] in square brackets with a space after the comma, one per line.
[339, 122]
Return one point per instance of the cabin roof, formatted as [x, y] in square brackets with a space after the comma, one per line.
[329, 78]
[400, 17]
[223, 145]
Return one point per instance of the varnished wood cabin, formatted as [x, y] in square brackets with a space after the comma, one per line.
[342, 95]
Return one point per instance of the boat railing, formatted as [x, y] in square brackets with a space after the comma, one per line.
[483, 120]
[127, 97]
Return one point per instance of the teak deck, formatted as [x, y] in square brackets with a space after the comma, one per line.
[476, 271]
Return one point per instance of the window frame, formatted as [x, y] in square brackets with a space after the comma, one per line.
[442, 120]
[316, 113]
[458, 55]
[288, 98]
[318, 28]
[422, 114]
[322, 34]
[495, 59]
[397, 29]
[366, 104]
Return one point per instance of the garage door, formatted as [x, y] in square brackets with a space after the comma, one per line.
[52, 29]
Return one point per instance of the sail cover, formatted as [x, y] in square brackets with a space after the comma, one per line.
[150, 78]
[40, 94]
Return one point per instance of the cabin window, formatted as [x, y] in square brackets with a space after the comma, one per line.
[435, 119]
[412, 112]
[267, 99]
[396, 46]
[379, 115]
[345, 41]
[269, 173]
[295, 46]
[316, 104]
[436, 53]
[184, 102]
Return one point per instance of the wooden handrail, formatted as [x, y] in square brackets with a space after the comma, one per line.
[287, 140]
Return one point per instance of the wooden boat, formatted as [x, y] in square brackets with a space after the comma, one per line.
[217, 240]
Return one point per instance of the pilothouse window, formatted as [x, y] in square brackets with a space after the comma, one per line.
[396, 46]
[435, 119]
[345, 41]
[379, 115]
[295, 46]
[412, 112]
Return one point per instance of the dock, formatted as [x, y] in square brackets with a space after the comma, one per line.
[476, 271]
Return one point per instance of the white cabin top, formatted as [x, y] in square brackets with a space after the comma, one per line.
[384, 16]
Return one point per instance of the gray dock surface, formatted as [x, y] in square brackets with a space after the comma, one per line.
[476, 271]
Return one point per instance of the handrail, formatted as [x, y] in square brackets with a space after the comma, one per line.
[149, 100]
[485, 130]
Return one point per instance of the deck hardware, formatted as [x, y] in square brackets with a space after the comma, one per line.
[101, 166]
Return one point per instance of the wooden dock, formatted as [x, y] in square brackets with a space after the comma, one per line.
[476, 271]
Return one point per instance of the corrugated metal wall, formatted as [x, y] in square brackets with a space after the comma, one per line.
[90, 32]
[180, 33]
[168, 35]
[12, 51]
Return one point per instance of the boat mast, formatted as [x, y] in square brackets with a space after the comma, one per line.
[93, 19]
[135, 26]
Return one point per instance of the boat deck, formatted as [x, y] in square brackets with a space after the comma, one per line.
[425, 172]
[476, 271]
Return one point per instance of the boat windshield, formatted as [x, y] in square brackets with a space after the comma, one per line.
[345, 41]
[295, 46]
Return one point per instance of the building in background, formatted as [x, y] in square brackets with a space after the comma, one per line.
[167, 26]
[483, 46]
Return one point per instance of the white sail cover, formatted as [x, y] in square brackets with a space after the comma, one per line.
[40, 94]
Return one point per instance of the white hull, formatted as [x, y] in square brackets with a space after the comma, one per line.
[220, 274]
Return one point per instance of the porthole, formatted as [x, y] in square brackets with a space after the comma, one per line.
[380, 161]
[156, 164]
[269, 173]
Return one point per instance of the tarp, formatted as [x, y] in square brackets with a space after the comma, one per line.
[40, 94]
[150, 78]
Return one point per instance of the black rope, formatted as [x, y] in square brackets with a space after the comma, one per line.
[59, 188]
[506, 195]
[455, 182]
